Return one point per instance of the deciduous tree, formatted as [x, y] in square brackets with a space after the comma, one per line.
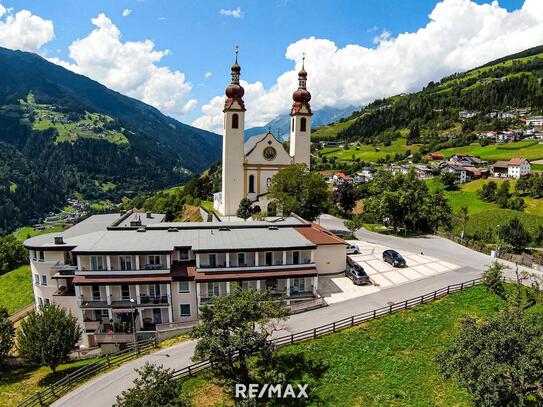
[245, 209]
[48, 335]
[7, 332]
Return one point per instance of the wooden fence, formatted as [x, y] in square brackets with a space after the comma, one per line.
[341, 324]
[67, 383]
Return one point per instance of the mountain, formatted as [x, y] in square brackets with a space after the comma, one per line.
[510, 84]
[62, 133]
[281, 124]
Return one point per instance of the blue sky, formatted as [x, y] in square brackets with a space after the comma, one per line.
[201, 39]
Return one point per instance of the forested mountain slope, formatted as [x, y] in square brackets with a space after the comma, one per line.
[62, 133]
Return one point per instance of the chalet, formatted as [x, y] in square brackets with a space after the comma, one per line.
[514, 168]
[465, 160]
[458, 170]
[340, 178]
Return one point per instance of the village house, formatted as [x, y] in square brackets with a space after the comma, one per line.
[458, 170]
[534, 121]
[514, 168]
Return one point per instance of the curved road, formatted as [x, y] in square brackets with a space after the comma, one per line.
[102, 390]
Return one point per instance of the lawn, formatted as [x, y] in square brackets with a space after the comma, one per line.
[28, 231]
[16, 289]
[329, 132]
[19, 383]
[531, 150]
[368, 153]
[387, 362]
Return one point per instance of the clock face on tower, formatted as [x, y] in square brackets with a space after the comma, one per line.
[269, 153]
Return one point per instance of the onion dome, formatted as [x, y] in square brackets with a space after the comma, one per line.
[234, 91]
[302, 95]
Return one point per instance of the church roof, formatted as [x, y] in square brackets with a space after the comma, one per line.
[251, 142]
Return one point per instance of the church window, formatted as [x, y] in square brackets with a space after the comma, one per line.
[268, 182]
[235, 121]
[269, 153]
[303, 124]
[292, 124]
[251, 184]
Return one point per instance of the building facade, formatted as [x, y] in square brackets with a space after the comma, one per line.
[248, 167]
[113, 271]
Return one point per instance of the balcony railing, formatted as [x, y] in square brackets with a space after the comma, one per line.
[276, 266]
[124, 302]
[154, 300]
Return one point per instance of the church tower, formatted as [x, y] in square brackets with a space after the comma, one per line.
[232, 145]
[300, 122]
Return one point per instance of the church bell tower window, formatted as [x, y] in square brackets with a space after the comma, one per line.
[303, 124]
[235, 121]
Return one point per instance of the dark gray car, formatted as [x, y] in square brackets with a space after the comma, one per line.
[356, 273]
[394, 258]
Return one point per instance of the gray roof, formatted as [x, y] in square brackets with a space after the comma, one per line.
[100, 233]
[252, 142]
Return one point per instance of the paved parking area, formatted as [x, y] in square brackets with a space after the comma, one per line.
[383, 275]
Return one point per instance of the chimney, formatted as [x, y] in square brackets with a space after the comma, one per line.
[59, 240]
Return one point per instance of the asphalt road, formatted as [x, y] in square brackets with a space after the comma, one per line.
[101, 391]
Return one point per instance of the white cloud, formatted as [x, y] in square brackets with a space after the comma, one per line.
[126, 12]
[24, 30]
[207, 75]
[236, 12]
[191, 104]
[460, 35]
[129, 67]
[385, 35]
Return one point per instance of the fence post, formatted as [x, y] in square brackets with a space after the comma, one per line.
[405, 307]
[334, 327]
[352, 320]
[435, 295]
[291, 339]
[462, 287]
[422, 299]
[374, 314]
[190, 373]
[448, 289]
[38, 395]
[107, 359]
[314, 333]
[390, 309]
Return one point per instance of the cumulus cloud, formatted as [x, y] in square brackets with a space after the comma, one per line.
[126, 12]
[460, 35]
[128, 67]
[236, 12]
[187, 107]
[24, 30]
[207, 75]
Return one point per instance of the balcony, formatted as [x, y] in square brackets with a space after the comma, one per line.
[93, 302]
[154, 300]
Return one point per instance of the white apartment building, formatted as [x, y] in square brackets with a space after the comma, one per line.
[111, 269]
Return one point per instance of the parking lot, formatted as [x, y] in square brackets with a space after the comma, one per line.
[382, 275]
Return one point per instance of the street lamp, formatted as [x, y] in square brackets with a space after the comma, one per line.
[133, 323]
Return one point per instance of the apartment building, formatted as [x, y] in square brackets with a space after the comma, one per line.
[112, 271]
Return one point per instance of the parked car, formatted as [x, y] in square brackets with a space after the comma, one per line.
[352, 249]
[356, 273]
[394, 258]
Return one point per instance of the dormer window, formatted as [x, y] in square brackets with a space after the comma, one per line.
[235, 121]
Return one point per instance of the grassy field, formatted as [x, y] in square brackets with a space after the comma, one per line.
[329, 132]
[485, 215]
[387, 362]
[531, 150]
[23, 233]
[17, 384]
[368, 153]
[16, 289]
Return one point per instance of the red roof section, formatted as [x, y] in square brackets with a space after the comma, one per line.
[517, 161]
[318, 235]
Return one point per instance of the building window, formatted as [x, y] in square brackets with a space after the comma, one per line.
[269, 258]
[97, 263]
[47, 301]
[212, 259]
[126, 263]
[44, 280]
[184, 310]
[251, 184]
[33, 254]
[303, 124]
[36, 279]
[41, 255]
[183, 287]
[241, 260]
[40, 302]
[292, 124]
[213, 289]
[297, 285]
[125, 292]
[96, 293]
[268, 182]
[154, 260]
[296, 257]
[183, 254]
[235, 121]
[154, 290]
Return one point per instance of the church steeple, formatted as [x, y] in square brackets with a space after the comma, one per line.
[234, 92]
[301, 96]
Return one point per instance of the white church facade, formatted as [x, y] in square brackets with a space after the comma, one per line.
[248, 166]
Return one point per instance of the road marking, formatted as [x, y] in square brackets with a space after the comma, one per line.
[410, 273]
[395, 277]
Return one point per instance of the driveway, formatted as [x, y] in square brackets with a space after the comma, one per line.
[101, 391]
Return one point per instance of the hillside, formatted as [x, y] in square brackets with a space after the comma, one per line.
[431, 116]
[62, 133]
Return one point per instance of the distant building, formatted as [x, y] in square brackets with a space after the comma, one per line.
[340, 178]
[467, 114]
[435, 156]
[327, 176]
[514, 168]
[458, 170]
[534, 121]
[465, 160]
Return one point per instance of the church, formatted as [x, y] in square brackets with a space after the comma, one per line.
[248, 167]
